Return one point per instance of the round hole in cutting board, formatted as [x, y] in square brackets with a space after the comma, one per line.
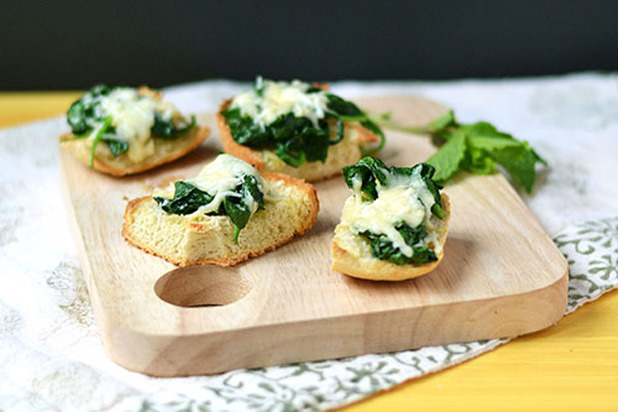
[199, 286]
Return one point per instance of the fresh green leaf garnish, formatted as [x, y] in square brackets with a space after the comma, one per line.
[443, 122]
[477, 148]
[297, 140]
[448, 159]
[188, 199]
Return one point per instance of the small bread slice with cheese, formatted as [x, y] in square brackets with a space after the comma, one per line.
[395, 225]
[297, 129]
[226, 214]
[122, 131]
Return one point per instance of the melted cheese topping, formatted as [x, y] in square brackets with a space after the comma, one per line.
[406, 199]
[280, 98]
[133, 115]
[219, 179]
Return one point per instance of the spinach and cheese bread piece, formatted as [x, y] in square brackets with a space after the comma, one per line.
[123, 130]
[394, 225]
[296, 128]
[226, 214]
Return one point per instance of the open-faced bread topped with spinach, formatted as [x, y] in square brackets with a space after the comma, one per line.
[296, 128]
[226, 214]
[394, 225]
[124, 130]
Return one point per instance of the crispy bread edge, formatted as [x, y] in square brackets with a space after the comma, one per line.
[73, 147]
[309, 190]
[349, 264]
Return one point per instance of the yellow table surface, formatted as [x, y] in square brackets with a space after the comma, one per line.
[571, 366]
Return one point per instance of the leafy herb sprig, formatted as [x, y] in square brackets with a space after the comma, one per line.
[188, 198]
[366, 174]
[85, 116]
[477, 148]
[296, 140]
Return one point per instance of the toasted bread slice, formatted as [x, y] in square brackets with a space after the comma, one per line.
[344, 153]
[291, 207]
[351, 254]
[166, 150]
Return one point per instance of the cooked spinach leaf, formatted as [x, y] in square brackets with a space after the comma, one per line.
[364, 176]
[116, 146]
[383, 248]
[166, 129]
[85, 116]
[297, 140]
[369, 171]
[107, 123]
[237, 208]
[188, 199]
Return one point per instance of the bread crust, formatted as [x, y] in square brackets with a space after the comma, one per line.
[371, 268]
[229, 144]
[134, 205]
[251, 156]
[165, 151]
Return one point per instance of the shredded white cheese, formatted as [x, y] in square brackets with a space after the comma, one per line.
[406, 199]
[133, 115]
[219, 179]
[279, 98]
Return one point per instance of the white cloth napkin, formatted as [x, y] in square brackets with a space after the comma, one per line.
[51, 357]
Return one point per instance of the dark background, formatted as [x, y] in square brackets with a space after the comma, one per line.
[74, 44]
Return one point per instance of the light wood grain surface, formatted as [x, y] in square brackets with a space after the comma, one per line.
[501, 275]
[570, 366]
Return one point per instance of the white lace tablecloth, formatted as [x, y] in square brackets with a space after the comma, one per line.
[51, 356]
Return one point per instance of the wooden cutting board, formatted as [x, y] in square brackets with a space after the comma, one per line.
[501, 276]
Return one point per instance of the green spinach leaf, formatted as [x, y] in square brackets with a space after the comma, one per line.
[107, 124]
[370, 171]
[297, 140]
[382, 248]
[188, 199]
[365, 175]
[116, 146]
[85, 116]
[166, 129]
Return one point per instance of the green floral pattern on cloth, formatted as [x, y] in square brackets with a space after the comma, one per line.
[592, 252]
[51, 357]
